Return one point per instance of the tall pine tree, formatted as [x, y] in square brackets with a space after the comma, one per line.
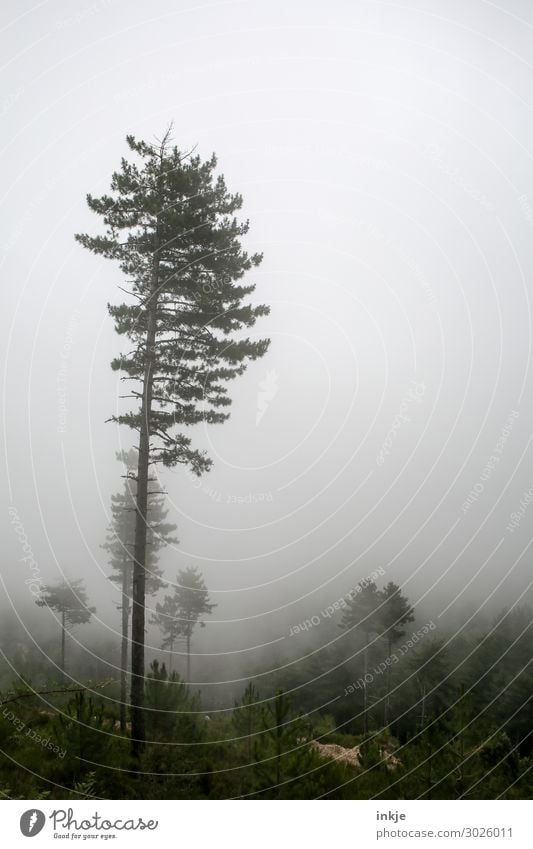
[171, 226]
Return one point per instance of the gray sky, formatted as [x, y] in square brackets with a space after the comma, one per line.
[384, 155]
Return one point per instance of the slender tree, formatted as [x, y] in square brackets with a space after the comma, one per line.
[282, 757]
[247, 717]
[180, 612]
[362, 615]
[172, 708]
[171, 226]
[119, 545]
[395, 612]
[166, 618]
[69, 600]
[430, 666]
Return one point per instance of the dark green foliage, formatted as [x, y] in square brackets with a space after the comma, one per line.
[281, 750]
[246, 719]
[172, 713]
[84, 733]
[169, 208]
[471, 740]
[175, 730]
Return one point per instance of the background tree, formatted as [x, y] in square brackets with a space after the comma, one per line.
[246, 718]
[166, 618]
[69, 600]
[171, 226]
[175, 724]
[180, 612]
[395, 612]
[475, 743]
[119, 544]
[174, 714]
[282, 753]
[430, 666]
[80, 730]
[361, 615]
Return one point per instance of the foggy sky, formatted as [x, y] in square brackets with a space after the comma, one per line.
[384, 156]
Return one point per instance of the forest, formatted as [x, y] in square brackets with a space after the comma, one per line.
[395, 709]
[267, 382]
[385, 706]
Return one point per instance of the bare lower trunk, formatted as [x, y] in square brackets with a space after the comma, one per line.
[63, 643]
[138, 734]
[429, 763]
[124, 650]
[423, 716]
[170, 652]
[387, 698]
[365, 695]
[188, 658]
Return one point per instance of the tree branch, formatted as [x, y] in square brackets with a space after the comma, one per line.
[62, 690]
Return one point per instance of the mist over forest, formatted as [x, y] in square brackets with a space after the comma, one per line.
[267, 401]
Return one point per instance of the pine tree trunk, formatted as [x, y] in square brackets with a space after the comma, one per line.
[279, 733]
[429, 763]
[462, 720]
[138, 733]
[423, 717]
[63, 643]
[387, 699]
[124, 648]
[365, 698]
[249, 741]
[188, 658]
[170, 651]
